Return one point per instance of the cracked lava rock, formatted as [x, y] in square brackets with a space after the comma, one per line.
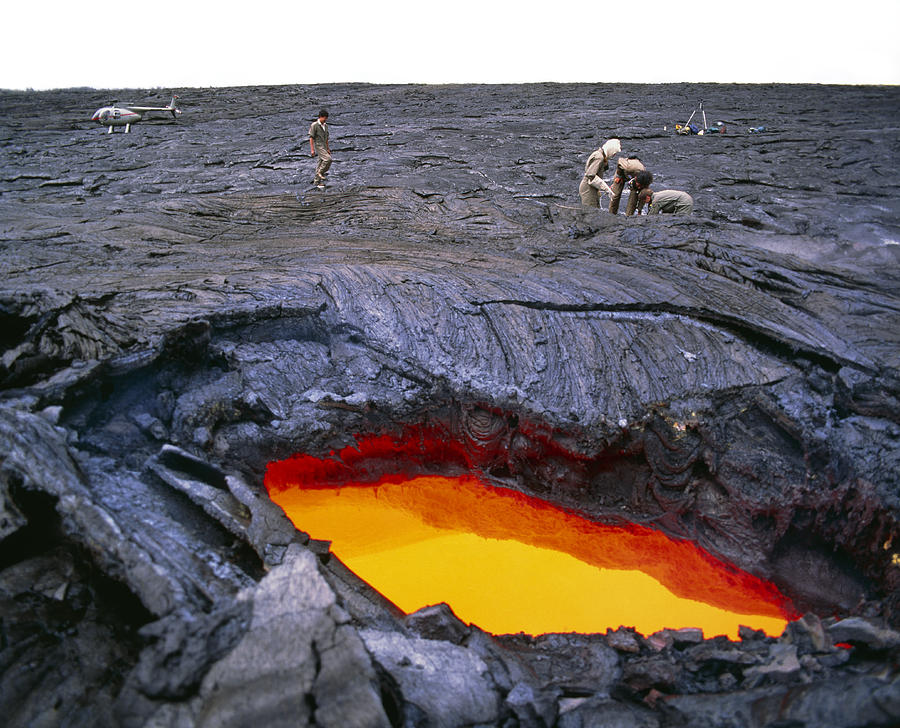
[179, 308]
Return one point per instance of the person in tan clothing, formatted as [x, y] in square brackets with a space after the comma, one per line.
[626, 169]
[592, 183]
[318, 146]
[674, 202]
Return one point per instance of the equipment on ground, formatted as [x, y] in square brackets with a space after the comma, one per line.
[689, 128]
[128, 114]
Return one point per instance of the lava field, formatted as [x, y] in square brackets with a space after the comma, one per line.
[181, 311]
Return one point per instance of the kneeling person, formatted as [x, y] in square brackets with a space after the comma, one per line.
[674, 202]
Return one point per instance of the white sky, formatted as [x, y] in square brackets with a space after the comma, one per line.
[183, 43]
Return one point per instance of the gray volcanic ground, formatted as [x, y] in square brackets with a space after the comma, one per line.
[179, 307]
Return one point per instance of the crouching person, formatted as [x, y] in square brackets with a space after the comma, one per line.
[626, 171]
[673, 202]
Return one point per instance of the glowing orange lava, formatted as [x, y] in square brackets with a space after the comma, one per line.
[512, 563]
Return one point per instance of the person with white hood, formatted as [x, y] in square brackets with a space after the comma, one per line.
[598, 163]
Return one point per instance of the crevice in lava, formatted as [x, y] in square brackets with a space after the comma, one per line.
[729, 476]
[575, 484]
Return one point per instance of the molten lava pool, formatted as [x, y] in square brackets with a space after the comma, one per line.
[503, 560]
[511, 563]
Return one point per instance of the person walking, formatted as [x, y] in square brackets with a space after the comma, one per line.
[318, 147]
[597, 163]
[626, 169]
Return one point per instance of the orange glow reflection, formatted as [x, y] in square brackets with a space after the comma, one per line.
[511, 563]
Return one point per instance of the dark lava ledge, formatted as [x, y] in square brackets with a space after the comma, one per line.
[178, 309]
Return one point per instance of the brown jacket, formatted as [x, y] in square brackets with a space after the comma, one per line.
[319, 134]
[628, 167]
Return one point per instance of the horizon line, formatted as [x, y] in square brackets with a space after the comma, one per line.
[88, 87]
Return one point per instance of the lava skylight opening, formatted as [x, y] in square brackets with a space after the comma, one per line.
[509, 563]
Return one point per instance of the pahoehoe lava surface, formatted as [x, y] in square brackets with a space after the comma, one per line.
[179, 308]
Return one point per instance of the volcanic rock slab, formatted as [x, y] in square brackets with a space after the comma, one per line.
[180, 308]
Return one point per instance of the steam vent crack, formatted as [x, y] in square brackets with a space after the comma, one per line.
[437, 446]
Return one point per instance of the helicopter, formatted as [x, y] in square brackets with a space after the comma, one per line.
[128, 114]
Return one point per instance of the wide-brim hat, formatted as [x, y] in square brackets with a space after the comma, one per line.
[611, 148]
